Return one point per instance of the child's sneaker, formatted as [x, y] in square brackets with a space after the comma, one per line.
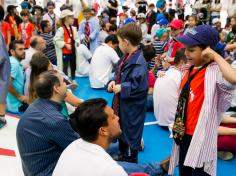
[3, 123]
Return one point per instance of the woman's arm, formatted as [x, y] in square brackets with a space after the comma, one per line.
[72, 99]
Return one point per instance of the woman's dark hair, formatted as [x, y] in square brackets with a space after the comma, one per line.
[89, 117]
[39, 63]
[149, 52]
[2, 13]
[180, 56]
[45, 83]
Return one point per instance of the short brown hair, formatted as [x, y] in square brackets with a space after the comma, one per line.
[25, 12]
[130, 32]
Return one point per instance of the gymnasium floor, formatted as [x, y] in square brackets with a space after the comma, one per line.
[157, 141]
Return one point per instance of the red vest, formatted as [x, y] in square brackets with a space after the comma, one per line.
[67, 40]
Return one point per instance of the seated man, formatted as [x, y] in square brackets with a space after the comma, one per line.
[16, 101]
[43, 132]
[97, 125]
[165, 95]
[37, 44]
[103, 60]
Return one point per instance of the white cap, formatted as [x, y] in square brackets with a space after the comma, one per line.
[141, 15]
[66, 13]
[215, 20]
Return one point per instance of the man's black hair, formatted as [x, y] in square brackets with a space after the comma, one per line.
[112, 38]
[89, 117]
[14, 43]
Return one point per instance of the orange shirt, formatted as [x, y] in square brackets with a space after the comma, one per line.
[29, 29]
[67, 40]
[5, 29]
[11, 22]
[195, 100]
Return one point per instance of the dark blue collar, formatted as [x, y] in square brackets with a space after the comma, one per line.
[51, 103]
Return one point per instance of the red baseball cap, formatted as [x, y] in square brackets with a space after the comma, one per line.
[177, 24]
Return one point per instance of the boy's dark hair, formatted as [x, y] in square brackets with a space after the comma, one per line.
[180, 56]
[14, 43]
[89, 117]
[149, 52]
[130, 32]
[45, 83]
[2, 13]
[25, 12]
[113, 38]
[44, 24]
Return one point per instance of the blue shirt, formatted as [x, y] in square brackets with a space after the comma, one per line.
[17, 75]
[42, 134]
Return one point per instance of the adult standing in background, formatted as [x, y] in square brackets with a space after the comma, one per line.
[5, 70]
[89, 30]
[215, 10]
[151, 17]
[112, 7]
[77, 7]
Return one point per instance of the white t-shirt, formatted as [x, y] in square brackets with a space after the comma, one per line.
[165, 97]
[101, 65]
[82, 63]
[28, 56]
[86, 159]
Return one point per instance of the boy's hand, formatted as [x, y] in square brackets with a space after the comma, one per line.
[208, 53]
[117, 88]
[111, 86]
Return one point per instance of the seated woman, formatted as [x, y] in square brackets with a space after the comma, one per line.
[40, 63]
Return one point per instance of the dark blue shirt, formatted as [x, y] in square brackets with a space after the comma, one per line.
[42, 134]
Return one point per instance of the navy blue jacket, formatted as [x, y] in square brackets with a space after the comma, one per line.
[132, 99]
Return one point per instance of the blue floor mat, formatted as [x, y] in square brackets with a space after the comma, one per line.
[157, 141]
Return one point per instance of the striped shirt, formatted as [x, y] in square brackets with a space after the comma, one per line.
[49, 51]
[42, 135]
[160, 49]
[202, 151]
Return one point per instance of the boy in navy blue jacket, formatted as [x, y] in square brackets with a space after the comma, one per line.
[130, 86]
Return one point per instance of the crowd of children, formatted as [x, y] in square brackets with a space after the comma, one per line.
[177, 66]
